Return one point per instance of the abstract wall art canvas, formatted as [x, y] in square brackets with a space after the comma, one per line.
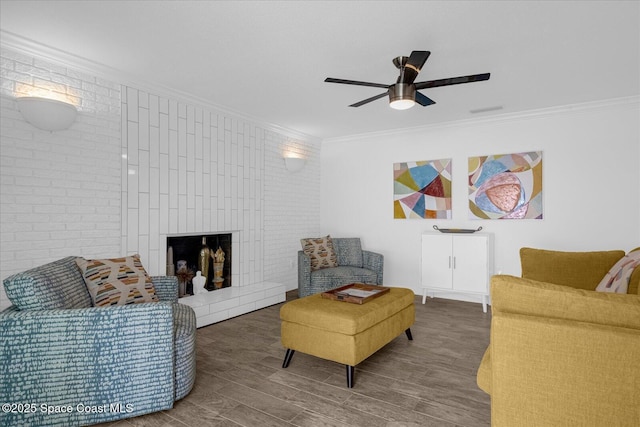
[422, 189]
[506, 186]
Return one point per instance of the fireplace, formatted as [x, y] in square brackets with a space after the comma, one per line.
[202, 262]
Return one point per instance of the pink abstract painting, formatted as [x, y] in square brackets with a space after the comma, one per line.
[506, 186]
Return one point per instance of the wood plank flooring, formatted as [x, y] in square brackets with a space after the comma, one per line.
[430, 381]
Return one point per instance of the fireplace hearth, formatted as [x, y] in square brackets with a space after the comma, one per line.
[209, 254]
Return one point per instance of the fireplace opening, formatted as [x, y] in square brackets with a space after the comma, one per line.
[202, 263]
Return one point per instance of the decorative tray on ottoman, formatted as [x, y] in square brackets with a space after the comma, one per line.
[356, 293]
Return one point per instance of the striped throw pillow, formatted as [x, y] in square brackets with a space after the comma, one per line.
[320, 251]
[117, 281]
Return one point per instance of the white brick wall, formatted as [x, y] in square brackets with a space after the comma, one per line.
[196, 169]
[60, 191]
[292, 206]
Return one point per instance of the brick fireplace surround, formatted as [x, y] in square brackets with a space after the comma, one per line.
[222, 304]
[191, 171]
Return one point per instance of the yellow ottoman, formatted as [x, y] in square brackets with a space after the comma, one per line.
[344, 332]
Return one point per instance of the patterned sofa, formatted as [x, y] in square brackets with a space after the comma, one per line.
[351, 264]
[65, 362]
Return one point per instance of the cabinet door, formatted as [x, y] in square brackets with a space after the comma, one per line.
[437, 261]
[470, 263]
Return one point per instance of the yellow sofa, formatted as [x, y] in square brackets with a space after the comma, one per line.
[580, 270]
[561, 354]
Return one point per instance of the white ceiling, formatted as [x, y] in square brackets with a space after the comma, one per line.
[268, 59]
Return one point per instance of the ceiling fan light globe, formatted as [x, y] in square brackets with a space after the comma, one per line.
[402, 96]
[402, 104]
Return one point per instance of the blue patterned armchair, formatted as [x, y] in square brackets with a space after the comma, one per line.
[75, 364]
[354, 265]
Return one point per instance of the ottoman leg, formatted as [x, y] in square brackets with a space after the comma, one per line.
[408, 332]
[351, 370]
[287, 357]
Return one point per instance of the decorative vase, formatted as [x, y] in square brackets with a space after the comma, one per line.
[184, 276]
[171, 269]
[217, 274]
[203, 258]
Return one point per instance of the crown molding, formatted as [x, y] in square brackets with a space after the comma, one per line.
[629, 101]
[59, 57]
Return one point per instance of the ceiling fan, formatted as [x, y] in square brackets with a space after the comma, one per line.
[404, 93]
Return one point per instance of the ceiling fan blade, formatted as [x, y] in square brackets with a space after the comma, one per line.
[355, 82]
[366, 101]
[418, 58]
[453, 81]
[424, 100]
[409, 71]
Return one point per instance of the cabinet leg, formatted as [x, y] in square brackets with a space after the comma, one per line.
[424, 295]
[484, 303]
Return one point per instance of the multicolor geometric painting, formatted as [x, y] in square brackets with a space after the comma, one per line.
[506, 186]
[422, 189]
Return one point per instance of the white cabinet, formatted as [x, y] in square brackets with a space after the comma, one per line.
[457, 263]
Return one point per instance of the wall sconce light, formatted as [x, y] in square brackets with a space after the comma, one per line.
[293, 164]
[47, 114]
